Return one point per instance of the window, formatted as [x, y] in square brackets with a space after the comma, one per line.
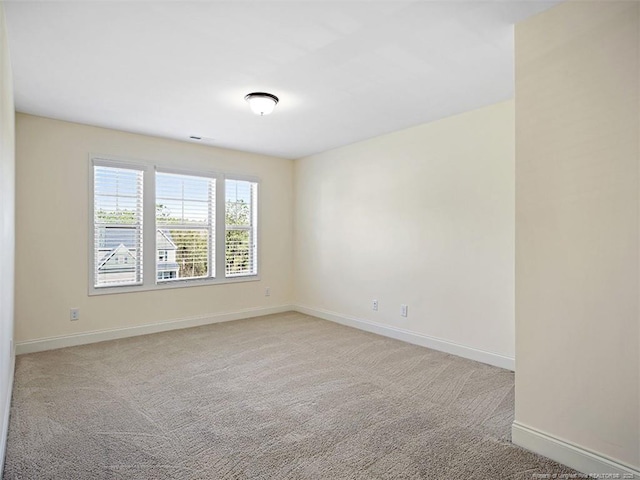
[166, 275]
[155, 228]
[240, 227]
[117, 226]
[185, 219]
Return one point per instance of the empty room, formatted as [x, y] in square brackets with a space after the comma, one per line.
[351, 239]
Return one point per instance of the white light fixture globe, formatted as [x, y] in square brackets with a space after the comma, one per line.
[261, 103]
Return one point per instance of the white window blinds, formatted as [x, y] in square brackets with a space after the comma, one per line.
[117, 225]
[241, 200]
[185, 223]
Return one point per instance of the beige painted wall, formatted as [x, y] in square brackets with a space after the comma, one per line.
[7, 228]
[53, 227]
[424, 217]
[577, 154]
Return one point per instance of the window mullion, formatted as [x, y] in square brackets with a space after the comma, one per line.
[220, 227]
[149, 227]
[213, 264]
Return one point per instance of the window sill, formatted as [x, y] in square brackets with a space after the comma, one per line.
[93, 291]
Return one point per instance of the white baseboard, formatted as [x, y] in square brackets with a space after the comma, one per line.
[564, 452]
[5, 418]
[63, 341]
[413, 337]
[52, 343]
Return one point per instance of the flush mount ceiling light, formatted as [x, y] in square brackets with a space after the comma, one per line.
[261, 103]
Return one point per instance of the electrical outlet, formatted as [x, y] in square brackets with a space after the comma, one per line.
[75, 314]
[267, 292]
[404, 310]
[374, 305]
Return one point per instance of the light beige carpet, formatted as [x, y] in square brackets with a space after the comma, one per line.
[280, 397]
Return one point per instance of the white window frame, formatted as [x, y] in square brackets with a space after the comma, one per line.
[214, 240]
[149, 260]
[254, 221]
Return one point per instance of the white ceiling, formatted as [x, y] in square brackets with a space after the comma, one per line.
[344, 71]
